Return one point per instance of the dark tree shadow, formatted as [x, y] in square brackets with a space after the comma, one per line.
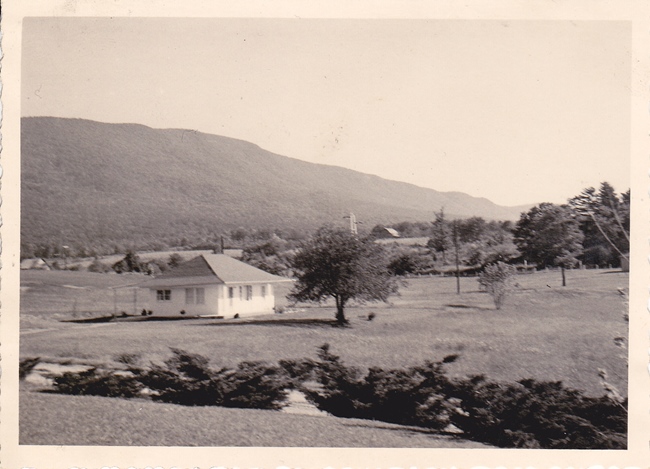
[309, 323]
[459, 306]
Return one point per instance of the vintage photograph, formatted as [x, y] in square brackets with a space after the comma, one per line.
[332, 233]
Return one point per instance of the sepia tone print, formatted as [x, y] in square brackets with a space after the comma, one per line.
[338, 233]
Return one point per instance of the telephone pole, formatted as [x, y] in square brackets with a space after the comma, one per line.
[455, 234]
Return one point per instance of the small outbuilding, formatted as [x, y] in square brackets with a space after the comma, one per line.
[212, 285]
[34, 264]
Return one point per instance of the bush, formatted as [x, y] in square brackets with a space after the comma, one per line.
[97, 383]
[412, 396]
[254, 385]
[186, 379]
[496, 279]
[527, 414]
[26, 366]
[534, 414]
[99, 267]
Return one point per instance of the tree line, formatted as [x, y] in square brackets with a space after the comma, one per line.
[591, 229]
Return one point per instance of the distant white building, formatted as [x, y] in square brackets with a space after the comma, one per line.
[34, 264]
[212, 285]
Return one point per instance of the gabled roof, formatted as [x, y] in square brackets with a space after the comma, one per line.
[393, 232]
[212, 269]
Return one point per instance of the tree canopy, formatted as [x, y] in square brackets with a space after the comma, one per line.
[337, 264]
[605, 220]
[550, 235]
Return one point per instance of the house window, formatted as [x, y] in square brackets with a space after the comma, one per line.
[231, 292]
[189, 296]
[263, 291]
[164, 295]
[241, 293]
[200, 296]
[249, 292]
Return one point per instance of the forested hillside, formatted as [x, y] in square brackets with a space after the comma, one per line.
[102, 187]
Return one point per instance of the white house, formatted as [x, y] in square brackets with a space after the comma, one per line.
[212, 285]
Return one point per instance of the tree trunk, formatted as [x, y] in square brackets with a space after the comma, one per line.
[340, 315]
[563, 277]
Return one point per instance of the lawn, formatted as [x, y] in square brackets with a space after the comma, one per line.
[50, 419]
[544, 331]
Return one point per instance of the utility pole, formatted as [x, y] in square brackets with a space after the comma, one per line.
[455, 234]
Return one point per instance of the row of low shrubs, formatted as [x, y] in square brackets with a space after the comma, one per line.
[529, 413]
[185, 379]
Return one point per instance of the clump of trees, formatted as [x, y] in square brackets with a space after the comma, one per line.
[131, 263]
[604, 218]
[550, 235]
[273, 256]
[337, 264]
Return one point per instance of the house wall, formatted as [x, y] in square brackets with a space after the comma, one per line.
[177, 303]
[239, 304]
[217, 301]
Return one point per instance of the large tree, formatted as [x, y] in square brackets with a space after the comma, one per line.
[550, 235]
[337, 264]
[605, 221]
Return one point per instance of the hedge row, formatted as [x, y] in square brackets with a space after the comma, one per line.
[528, 414]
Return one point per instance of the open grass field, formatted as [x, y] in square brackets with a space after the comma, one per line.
[544, 331]
[51, 419]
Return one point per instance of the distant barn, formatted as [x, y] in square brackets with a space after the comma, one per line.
[212, 285]
[34, 264]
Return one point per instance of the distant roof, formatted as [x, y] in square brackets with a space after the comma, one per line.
[393, 232]
[212, 268]
[34, 263]
[404, 241]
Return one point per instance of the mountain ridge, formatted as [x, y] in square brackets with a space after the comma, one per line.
[87, 181]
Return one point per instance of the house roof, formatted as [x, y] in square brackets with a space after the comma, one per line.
[209, 269]
[393, 232]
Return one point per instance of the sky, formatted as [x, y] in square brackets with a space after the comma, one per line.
[517, 112]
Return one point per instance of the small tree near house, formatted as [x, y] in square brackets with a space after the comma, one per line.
[497, 281]
[337, 264]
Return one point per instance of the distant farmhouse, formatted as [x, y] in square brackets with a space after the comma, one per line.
[34, 264]
[212, 285]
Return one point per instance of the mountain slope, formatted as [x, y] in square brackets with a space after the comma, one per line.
[87, 181]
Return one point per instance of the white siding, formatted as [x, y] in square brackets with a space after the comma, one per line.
[256, 305]
[178, 303]
[217, 301]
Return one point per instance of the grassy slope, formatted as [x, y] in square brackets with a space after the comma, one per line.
[549, 333]
[100, 183]
[88, 420]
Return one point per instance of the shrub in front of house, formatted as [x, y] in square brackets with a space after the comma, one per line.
[411, 396]
[186, 379]
[538, 414]
[94, 382]
[527, 414]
